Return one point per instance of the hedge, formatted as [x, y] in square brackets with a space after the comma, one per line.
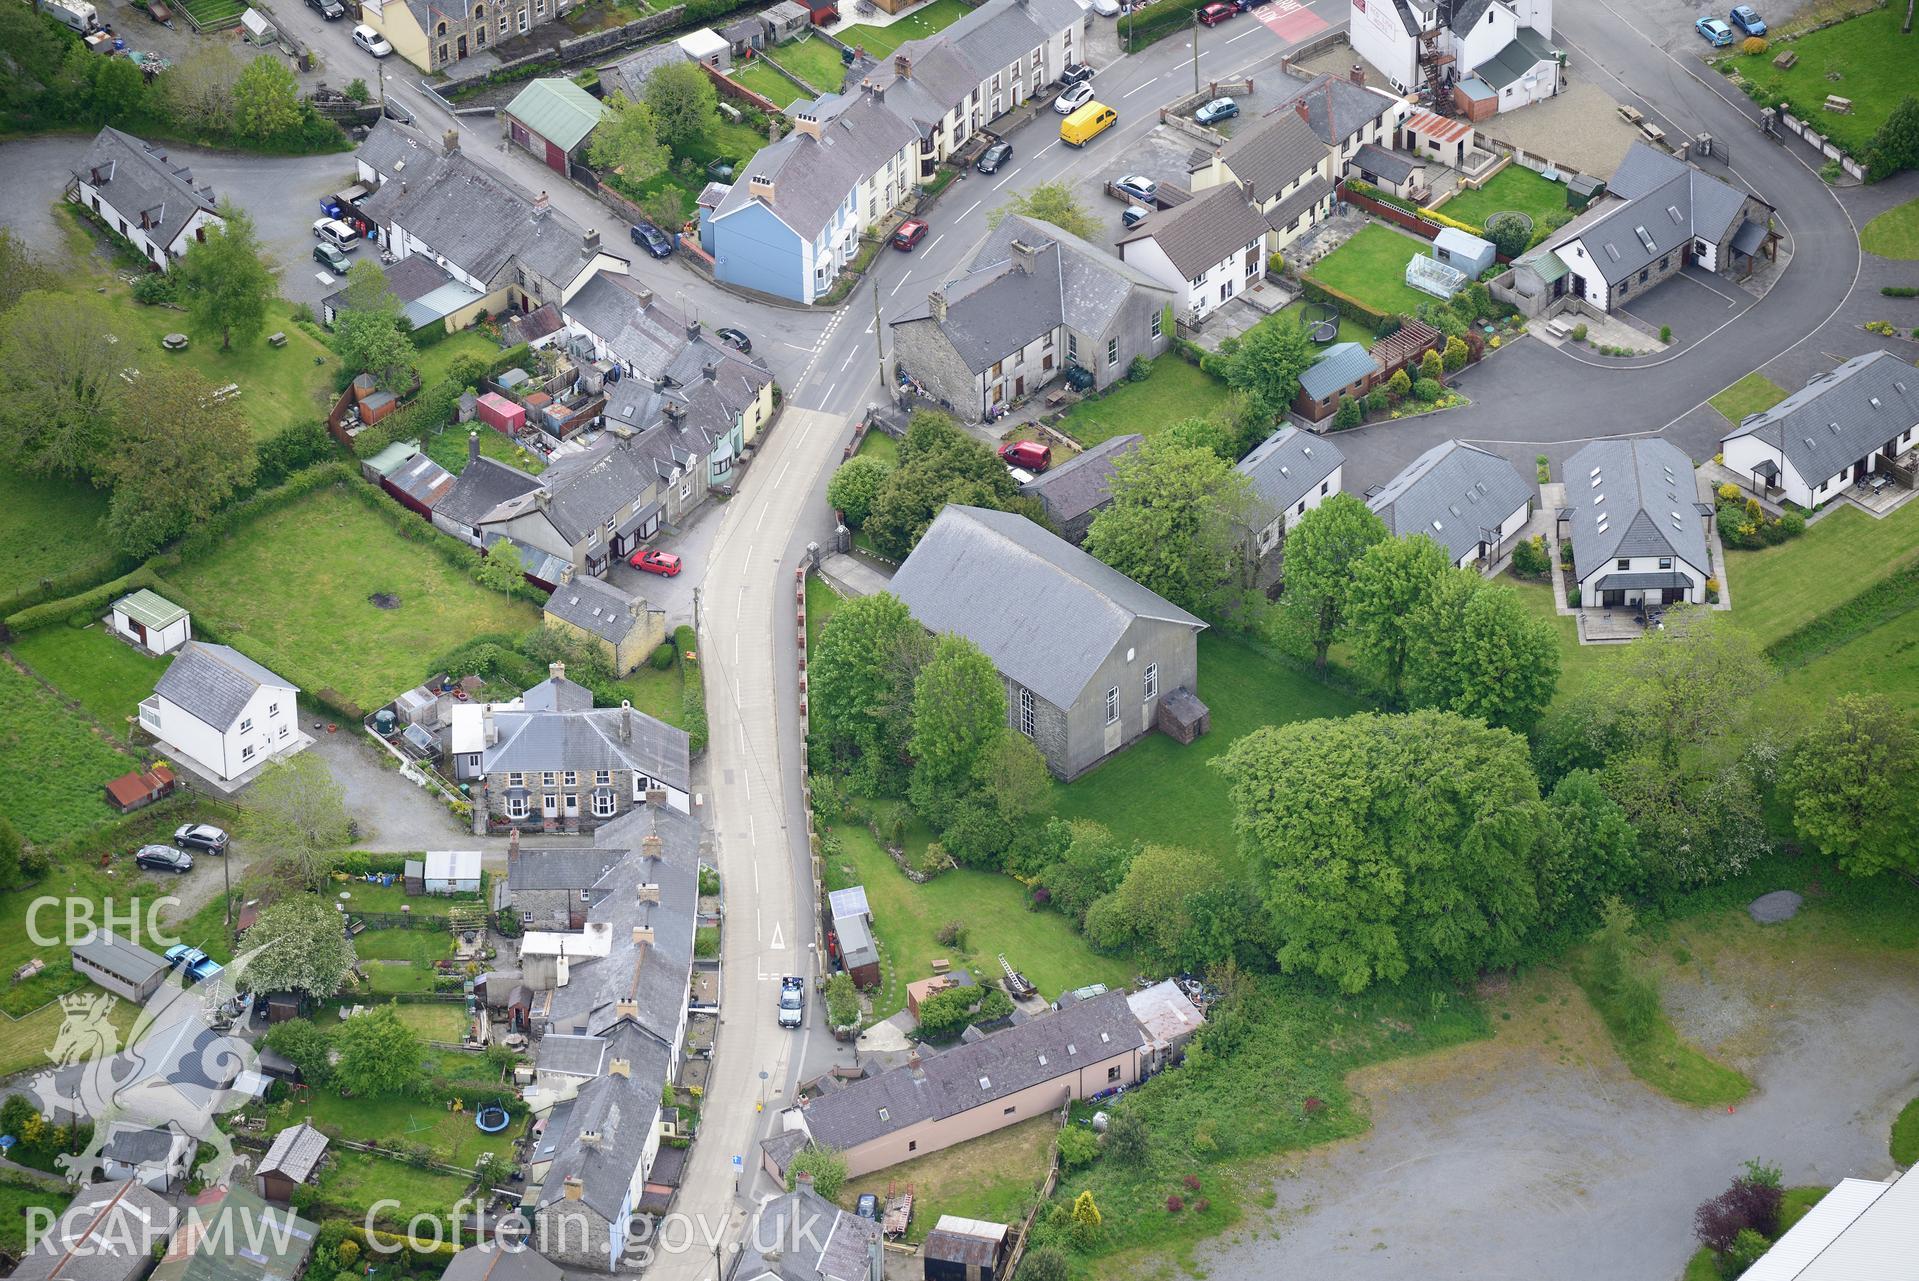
[1154, 22]
[90, 601]
[692, 689]
[1347, 305]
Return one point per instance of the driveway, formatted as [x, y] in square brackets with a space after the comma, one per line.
[393, 814]
[1536, 1154]
[694, 546]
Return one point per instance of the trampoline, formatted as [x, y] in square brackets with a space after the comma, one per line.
[1321, 321]
[492, 1119]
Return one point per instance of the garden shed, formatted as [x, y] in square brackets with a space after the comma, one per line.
[708, 46]
[452, 872]
[151, 621]
[290, 1162]
[1464, 252]
[853, 927]
[501, 414]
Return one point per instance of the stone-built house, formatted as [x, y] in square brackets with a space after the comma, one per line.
[1092, 660]
[1034, 301]
[801, 1236]
[1638, 534]
[492, 1260]
[617, 623]
[144, 196]
[436, 34]
[1079, 489]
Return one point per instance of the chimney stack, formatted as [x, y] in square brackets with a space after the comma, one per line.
[566, 573]
[542, 205]
[692, 331]
[620, 1067]
[808, 124]
[761, 188]
[1358, 75]
[575, 1190]
[591, 244]
[472, 447]
[512, 846]
[710, 371]
[1299, 109]
[903, 66]
[557, 671]
[1023, 255]
[804, 1177]
[541, 497]
[656, 796]
[626, 720]
[449, 142]
[936, 302]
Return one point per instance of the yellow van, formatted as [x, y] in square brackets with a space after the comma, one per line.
[1086, 124]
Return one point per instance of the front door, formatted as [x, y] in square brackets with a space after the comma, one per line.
[572, 804]
[463, 46]
[1019, 386]
[140, 630]
[549, 805]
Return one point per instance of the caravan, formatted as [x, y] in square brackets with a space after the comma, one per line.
[78, 14]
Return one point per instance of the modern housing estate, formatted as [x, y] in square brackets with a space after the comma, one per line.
[1639, 531]
[1837, 429]
[1467, 500]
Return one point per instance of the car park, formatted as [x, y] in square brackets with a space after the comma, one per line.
[163, 858]
[909, 233]
[201, 836]
[1214, 14]
[1747, 19]
[1027, 455]
[994, 157]
[1716, 32]
[330, 257]
[1075, 97]
[1137, 187]
[650, 238]
[372, 41]
[1217, 110]
[649, 561]
[735, 339]
[331, 10]
[1075, 73]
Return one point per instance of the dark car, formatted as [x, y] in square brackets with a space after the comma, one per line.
[734, 339]
[910, 233]
[994, 156]
[1217, 110]
[1747, 19]
[330, 257]
[163, 858]
[867, 1207]
[652, 239]
[1074, 73]
[1217, 12]
[331, 10]
[201, 836]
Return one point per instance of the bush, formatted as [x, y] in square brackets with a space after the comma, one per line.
[1044, 1263]
[663, 657]
[1348, 414]
[827, 1167]
[1900, 291]
[1753, 44]
[1140, 370]
[952, 934]
[946, 1013]
[1377, 401]
[156, 287]
[1579, 333]
[1400, 385]
[1572, 596]
[1665, 333]
[1275, 264]
[1078, 1147]
[1751, 1204]
[1455, 357]
[1531, 559]
[1427, 389]
[1174, 1204]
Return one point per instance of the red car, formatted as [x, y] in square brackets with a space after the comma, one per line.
[652, 562]
[910, 233]
[1027, 454]
[1214, 14]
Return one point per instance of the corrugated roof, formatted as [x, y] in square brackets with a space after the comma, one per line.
[558, 110]
[149, 609]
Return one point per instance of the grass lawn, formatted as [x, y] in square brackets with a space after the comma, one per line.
[404, 945]
[1703, 1266]
[450, 1135]
[47, 527]
[768, 83]
[906, 916]
[357, 1179]
[55, 764]
[1157, 790]
[993, 1177]
[1349, 330]
[24, 1042]
[108, 677]
[392, 898]
[1777, 590]
[655, 692]
[395, 978]
[923, 21]
[341, 554]
[1176, 390]
[877, 444]
[821, 603]
[1868, 61]
[814, 61]
[1905, 1135]
[1894, 233]
[447, 447]
[1755, 393]
[1578, 664]
[1666, 1062]
[15, 1200]
[1372, 268]
[434, 1020]
[1513, 189]
[436, 359]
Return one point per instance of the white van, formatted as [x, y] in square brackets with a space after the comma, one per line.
[78, 14]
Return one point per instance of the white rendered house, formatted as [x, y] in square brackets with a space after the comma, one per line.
[220, 712]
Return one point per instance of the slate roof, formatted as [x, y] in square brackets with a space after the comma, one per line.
[801, 1236]
[1081, 483]
[630, 74]
[584, 490]
[423, 480]
[571, 1055]
[296, 1152]
[622, 313]
[483, 486]
[1288, 465]
[105, 1234]
[277, 1241]
[492, 1262]
[480, 223]
[1667, 199]
[1392, 166]
[1353, 105]
[812, 177]
[1467, 13]
[558, 110]
[1452, 493]
[597, 606]
[1203, 232]
[213, 683]
[1839, 417]
[394, 150]
[136, 178]
[610, 738]
[1341, 365]
[138, 1145]
[1633, 498]
[532, 326]
[1269, 155]
[1022, 1056]
[1526, 50]
[1044, 611]
[149, 608]
[1282, 215]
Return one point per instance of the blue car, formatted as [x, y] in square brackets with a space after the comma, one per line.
[1217, 110]
[652, 239]
[1747, 19]
[197, 965]
[1717, 33]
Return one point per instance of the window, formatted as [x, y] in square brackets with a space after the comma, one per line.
[1008, 1111]
[603, 777]
[442, 53]
[246, 753]
[504, 18]
[546, 779]
[273, 709]
[609, 527]
[473, 761]
[1072, 345]
[586, 896]
[1301, 509]
[1623, 564]
[686, 490]
[602, 804]
[1665, 562]
[514, 778]
[1028, 713]
[523, 22]
[1324, 486]
[1152, 680]
[1156, 324]
[1112, 1073]
[572, 778]
[246, 725]
[283, 731]
[912, 1145]
[1112, 351]
[1198, 280]
[440, 30]
[1644, 272]
[1112, 705]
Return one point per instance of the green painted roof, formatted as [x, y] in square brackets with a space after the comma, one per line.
[558, 110]
[1549, 265]
[149, 610]
[393, 457]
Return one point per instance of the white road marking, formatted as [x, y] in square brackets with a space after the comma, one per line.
[896, 288]
[1048, 147]
[846, 362]
[778, 942]
[969, 209]
[796, 347]
[1242, 35]
[1130, 92]
[782, 476]
[942, 235]
[760, 521]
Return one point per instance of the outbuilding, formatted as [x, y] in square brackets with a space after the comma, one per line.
[290, 1162]
[452, 872]
[552, 118]
[501, 414]
[707, 46]
[1463, 251]
[853, 927]
[151, 621]
[121, 967]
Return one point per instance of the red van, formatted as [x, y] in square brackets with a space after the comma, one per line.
[1028, 455]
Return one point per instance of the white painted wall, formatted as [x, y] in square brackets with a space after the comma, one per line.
[160, 640]
[1695, 594]
[265, 726]
[1493, 32]
[1575, 256]
[1380, 38]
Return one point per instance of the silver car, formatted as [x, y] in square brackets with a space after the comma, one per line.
[1074, 98]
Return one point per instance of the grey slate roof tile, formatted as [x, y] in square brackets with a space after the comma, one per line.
[213, 682]
[483, 486]
[599, 607]
[137, 177]
[1202, 232]
[491, 1262]
[1352, 106]
[1644, 490]
[394, 150]
[1839, 417]
[801, 1236]
[1081, 483]
[296, 1152]
[105, 1234]
[610, 738]
[1671, 200]
[1289, 465]
[1270, 154]
[479, 222]
[1452, 493]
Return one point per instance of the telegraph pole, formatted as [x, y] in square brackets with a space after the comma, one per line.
[879, 334]
[1195, 51]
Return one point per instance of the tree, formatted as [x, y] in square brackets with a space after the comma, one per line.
[959, 708]
[369, 343]
[1510, 236]
[1078, 1147]
[1751, 1204]
[627, 141]
[1896, 145]
[199, 90]
[20, 271]
[1389, 581]
[1177, 524]
[1455, 357]
[684, 102]
[1696, 827]
[860, 680]
[1127, 1140]
[309, 1049]
[297, 820]
[266, 99]
[1044, 1263]
[855, 485]
[1349, 413]
[1012, 774]
[939, 465]
[946, 1013]
[1321, 550]
[118, 87]
[379, 1055]
[1267, 364]
[1086, 1216]
[842, 1001]
[1853, 783]
[501, 569]
[1431, 365]
[178, 454]
[826, 1167]
[1591, 850]
[1400, 385]
[1052, 202]
[298, 945]
[1091, 862]
[1689, 685]
[1476, 649]
[1167, 909]
[62, 383]
[224, 279]
[1387, 844]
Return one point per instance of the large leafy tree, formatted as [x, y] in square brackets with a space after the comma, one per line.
[370, 330]
[1387, 844]
[178, 453]
[1389, 581]
[1183, 909]
[854, 487]
[20, 271]
[1266, 365]
[501, 569]
[298, 945]
[379, 1055]
[1688, 687]
[1853, 783]
[1696, 826]
[296, 820]
[199, 90]
[1321, 551]
[938, 464]
[1477, 650]
[860, 682]
[1052, 202]
[1012, 775]
[628, 140]
[226, 280]
[61, 383]
[1591, 851]
[684, 102]
[266, 98]
[1090, 862]
[959, 709]
[1177, 524]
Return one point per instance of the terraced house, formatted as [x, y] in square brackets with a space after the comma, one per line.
[435, 34]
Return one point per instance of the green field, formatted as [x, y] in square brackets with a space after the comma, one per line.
[1894, 233]
[1777, 590]
[107, 676]
[54, 763]
[1176, 390]
[1514, 188]
[340, 554]
[1865, 59]
[767, 83]
[1752, 394]
[15, 1200]
[1371, 267]
[920, 23]
[355, 1180]
[1160, 791]
[47, 527]
[814, 61]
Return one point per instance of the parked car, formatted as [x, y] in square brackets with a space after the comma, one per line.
[1137, 187]
[331, 231]
[910, 233]
[735, 339]
[1717, 33]
[1217, 12]
[1106, 8]
[792, 1007]
[331, 10]
[1074, 98]
[330, 257]
[201, 836]
[652, 239]
[647, 560]
[1217, 110]
[372, 41]
[1075, 73]
[867, 1207]
[720, 170]
[1027, 455]
[197, 965]
[1747, 19]
[1133, 216]
[163, 858]
[994, 156]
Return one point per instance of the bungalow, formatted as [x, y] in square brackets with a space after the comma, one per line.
[1342, 370]
[1074, 493]
[1638, 535]
[150, 621]
[222, 713]
[1838, 429]
[617, 623]
[158, 1156]
[1206, 249]
[1291, 472]
[109, 1232]
[143, 196]
[553, 118]
[1092, 660]
[290, 1162]
[1467, 500]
